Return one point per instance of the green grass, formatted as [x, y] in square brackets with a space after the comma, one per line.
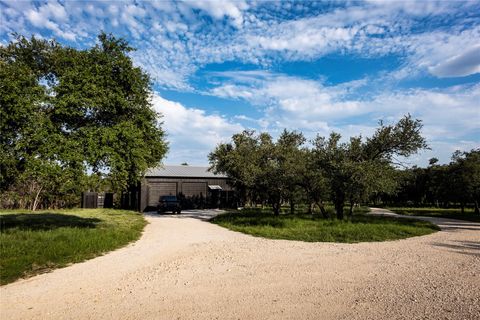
[362, 228]
[33, 243]
[469, 215]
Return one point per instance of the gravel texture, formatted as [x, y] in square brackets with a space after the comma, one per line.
[186, 268]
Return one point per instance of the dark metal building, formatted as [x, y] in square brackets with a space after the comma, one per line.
[196, 187]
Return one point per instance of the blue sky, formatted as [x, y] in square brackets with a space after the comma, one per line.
[219, 67]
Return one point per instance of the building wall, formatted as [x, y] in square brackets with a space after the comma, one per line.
[152, 188]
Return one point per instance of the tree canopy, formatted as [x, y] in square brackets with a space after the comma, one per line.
[440, 185]
[67, 112]
[357, 169]
[343, 172]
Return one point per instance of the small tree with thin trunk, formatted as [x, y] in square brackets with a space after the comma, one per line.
[355, 169]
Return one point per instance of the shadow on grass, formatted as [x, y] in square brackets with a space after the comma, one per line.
[44, 221]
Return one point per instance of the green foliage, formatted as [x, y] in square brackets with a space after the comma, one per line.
[261, 169]
[343, 172]
[356, 169]
[441, 185]
[465, 177]
[312, 228]
[33, 243]
[66, 112]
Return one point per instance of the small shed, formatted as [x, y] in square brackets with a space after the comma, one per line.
[195, 186]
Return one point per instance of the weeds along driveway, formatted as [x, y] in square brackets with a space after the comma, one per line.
[187, 268]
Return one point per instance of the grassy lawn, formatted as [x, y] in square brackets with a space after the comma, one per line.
[469, 215]
[33, 243]
[310, 228]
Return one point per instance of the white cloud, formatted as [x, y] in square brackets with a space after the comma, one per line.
[56, 11]
[192, 132]
[35, 18]
[449, 115]
[174, 41]
[442, 150]
[463, 64]
[222, 8]
[450, 118]
[48, 16]
[443, 54]
[295, 97]
[304, 40]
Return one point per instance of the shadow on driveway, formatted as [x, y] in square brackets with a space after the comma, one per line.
[464, 247]
[203, 215]
[445, 224]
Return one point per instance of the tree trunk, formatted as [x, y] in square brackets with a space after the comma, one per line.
[322, 210]
[477, 210]
[292, 207]
[350, 211]
[276, 208]
[28, 202]
[339, 201]
[339, 209]
[35, 202]
[462, 206]
[310, 211]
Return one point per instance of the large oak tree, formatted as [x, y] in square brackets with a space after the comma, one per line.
[65, 112]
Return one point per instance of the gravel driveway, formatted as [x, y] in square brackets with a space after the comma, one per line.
[186, 268]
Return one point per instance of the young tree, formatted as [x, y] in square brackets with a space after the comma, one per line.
[289, 153]
[352, 168]
[240, 160]
[313, 182]
[261, 168]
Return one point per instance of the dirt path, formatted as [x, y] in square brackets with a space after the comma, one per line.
[186, 268]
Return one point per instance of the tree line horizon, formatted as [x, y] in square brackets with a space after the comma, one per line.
[74, 120]
[357, 171]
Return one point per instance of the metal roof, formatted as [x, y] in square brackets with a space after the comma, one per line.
[182, 171]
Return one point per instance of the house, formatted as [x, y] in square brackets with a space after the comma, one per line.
[195, 186]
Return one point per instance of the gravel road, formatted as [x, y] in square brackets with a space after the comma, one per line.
[187, 268]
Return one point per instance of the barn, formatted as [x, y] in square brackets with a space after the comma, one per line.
[195, 186]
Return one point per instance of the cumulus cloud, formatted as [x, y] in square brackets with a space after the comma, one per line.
[192, 133]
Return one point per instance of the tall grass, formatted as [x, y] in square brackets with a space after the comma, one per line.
[33, 243]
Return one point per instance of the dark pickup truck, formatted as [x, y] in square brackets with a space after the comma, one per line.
[169, 203]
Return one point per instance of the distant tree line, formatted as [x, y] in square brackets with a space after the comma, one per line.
[288, 171]
[447, 185]
[73, 120]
